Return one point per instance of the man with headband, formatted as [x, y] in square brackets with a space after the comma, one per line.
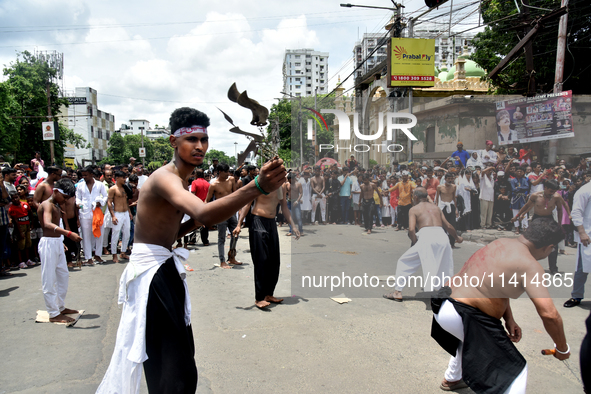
[54, 269]
[155, 329]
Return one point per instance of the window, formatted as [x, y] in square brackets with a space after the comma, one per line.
[430, 140]
[309, 93]
[322, 81]
[298, 86]
[308, 63]
[308, 56]
[298, 64]
[297, 56]
[298, 79]
[298, 94]
[309, 85]
[321, 59]
[316, 81]
[91, 132]
[298, 72]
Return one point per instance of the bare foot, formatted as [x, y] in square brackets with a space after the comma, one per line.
[115, 258]
[225, 265]
[288, 234]
[273, 299]
[71, 265]
[262, 304]
[124, 256]
[234, 261]
[105, 251]
[98, 259]
[394, 296]
[88, 263]
[61, 318]
[369, 231]
[68, 311]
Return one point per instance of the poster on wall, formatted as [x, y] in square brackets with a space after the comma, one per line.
[531, 119]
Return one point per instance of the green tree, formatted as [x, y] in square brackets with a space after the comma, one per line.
[24, 96]
[220, 155]
[501, 36]
[162, 150]
[122, 148]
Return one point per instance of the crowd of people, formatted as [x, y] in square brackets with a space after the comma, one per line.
[475, 189]
[53, 215]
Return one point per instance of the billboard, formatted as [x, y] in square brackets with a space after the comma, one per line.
[412, 62]
[531, 119]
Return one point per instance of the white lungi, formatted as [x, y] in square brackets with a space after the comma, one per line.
[125, 370]
[433, 252]
[319, 199]
[449, 319]
[123, 224]
[107, 226]
[89, 241]
[54, 274]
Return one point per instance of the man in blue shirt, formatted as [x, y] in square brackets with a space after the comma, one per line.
[345, 195]
[519, 190]
[460, 155]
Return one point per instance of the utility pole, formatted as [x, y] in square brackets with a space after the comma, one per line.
[315, 132]
[529, 55]
[559, 73]
[50, 118]
[143, 158]
[409, 141]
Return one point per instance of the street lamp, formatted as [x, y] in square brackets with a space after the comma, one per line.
[300, 124]
[349, 5]
[236, 152]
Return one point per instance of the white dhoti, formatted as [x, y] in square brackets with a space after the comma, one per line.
[125, 370]
[107, 226]
[123, 224]
[89, 241]
[54, 274]
[433, 252]
[319, 199]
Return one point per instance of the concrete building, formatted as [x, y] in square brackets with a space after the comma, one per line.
[448, 49]
[158, 132]
[304, 71]
[84, 117]
[365, 47]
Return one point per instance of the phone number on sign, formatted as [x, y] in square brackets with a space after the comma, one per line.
[515, 280]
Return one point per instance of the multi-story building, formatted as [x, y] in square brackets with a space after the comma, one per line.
[364, 49]
[304, 71]
[448, 48]
[84, 117]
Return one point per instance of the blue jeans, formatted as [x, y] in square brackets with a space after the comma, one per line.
[345, 207]
[296, 212]
[580, 277]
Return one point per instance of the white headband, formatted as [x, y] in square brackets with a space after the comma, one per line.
[190, 130]
[59, 190]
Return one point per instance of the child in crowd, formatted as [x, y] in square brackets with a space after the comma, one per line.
[19, 215]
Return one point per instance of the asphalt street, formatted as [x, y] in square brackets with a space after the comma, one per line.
[308, 344]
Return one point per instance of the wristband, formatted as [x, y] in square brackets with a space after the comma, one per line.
[69, 233]
[256, 182]
[567, 349]
[55, 228]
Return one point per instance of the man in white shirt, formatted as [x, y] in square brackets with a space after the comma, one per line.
[581, 215]
[487, 196]
[488, 155]
[90, 195]
[141, 178]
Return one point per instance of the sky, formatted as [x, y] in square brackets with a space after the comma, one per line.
[147, 58]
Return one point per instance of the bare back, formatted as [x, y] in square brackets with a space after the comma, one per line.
[427, 215]
[42, 193]
[505, 269]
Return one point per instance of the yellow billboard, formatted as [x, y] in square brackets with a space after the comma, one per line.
[412, 62]
[69, 162]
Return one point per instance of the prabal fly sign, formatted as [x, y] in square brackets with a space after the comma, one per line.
[539, 118]
[412, 62]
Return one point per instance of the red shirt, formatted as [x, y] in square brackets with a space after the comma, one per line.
[200, 187]
[20, 213]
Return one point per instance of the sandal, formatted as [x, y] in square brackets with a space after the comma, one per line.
[453, 386]
[392, 296]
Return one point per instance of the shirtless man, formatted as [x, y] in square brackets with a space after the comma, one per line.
[430, 246]
[544, 203]
[296, 192]
[264, 243]
[71, 223]
[152, 286]
[54, 270]
[45, 189]
[445, 199]
[223, 186]
[367, 201]
[318, 184]
[468, 317]
[120, 214]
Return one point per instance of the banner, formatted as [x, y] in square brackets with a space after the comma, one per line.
[531, 119]
[48, 131]
[412, 62]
